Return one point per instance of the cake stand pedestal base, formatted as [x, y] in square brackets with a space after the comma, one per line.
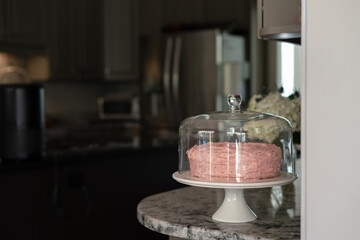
[234, 208]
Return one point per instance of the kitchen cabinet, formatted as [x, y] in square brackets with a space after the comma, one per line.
[94, 40]
[75, 45]
[120, 39]
[24, 203]
[23, 23]
[82, 196]
[2, 20]
[280, 19]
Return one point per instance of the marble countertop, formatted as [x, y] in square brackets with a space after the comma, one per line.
[186, 213]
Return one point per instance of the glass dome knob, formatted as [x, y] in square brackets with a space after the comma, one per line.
[234, 101]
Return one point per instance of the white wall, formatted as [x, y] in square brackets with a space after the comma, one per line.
[331, 120]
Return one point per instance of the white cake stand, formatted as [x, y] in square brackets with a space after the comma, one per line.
[234, 208]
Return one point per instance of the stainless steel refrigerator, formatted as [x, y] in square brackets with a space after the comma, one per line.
[190, 73]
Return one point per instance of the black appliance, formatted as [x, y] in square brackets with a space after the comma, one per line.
[22, 122]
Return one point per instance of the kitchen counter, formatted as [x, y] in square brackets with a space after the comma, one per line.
[84, 146]
[186, 213]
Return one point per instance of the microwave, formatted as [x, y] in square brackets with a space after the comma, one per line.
[119, 107]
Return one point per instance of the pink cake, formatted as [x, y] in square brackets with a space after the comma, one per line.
[234, 161]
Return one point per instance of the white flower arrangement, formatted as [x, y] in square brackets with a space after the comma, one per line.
[278, 105]
[266, 130]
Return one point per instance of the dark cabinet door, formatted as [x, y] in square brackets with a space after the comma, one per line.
[76, 39]
[24, 22]
[121, 39]
[24, 203]
[93, 199]
[94, 39]
[2, 20]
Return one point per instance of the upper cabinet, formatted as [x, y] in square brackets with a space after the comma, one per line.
[120, 39]
[23, 24]
[279, 19]
[2, 20]
[99, 39]
[94, 39]
[75, 44]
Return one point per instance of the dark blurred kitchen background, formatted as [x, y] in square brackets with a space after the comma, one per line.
[110, 81]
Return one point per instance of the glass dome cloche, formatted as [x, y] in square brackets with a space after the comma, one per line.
[236, 146]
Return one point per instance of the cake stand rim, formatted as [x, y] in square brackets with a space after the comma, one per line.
[283, 179]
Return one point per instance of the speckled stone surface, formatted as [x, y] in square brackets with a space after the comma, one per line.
[186, 213]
